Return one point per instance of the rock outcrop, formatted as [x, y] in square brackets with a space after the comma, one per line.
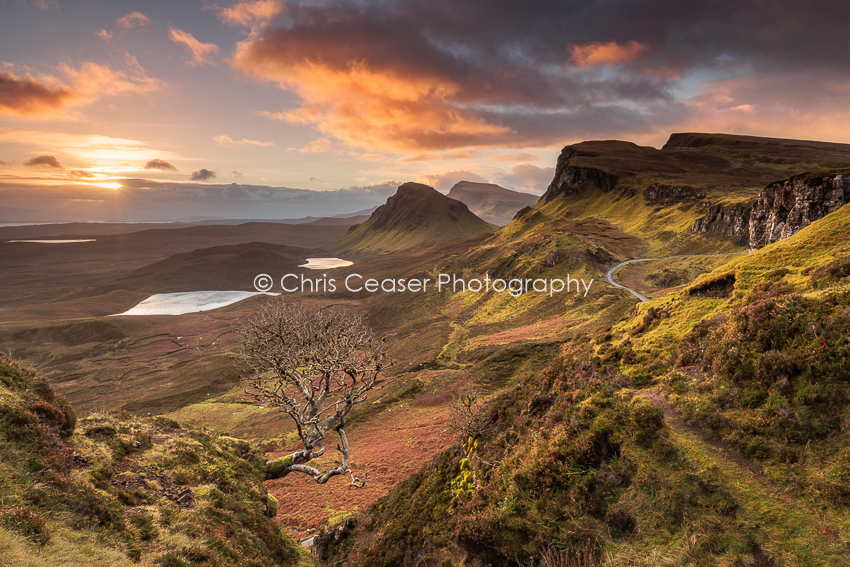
[678, 193]
[730, 221]
[781, 209]
[570, 179]
[786, 206]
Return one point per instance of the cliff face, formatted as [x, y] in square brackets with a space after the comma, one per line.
[570, 179]
[787, 206]
[732, 222]
[660, 192]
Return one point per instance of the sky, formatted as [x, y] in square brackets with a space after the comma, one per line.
[155, 110]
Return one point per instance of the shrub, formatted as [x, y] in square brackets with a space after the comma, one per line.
[25, 521]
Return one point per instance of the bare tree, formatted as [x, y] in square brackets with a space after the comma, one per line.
[314, 364]
[466, 414]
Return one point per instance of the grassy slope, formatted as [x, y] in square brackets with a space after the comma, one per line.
[708, 427]
[443, 339]
[101, 491]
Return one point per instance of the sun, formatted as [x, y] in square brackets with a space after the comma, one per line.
[109, 185]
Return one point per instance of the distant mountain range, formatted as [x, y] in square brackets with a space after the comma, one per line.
[491, 202]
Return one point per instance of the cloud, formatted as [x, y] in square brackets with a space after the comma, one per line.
[454, 155]
[527, 177]
[447, 179]
[225, 140]
[522, 156]
[199, 50]
[202, 175]
[92, 80]
[132, 20]
[87, 148]
[413, 75]
[159, 164]
[104, 35]
[3, 162]
[250, 14]
[30, 97]
[43, 161]
[236, 191]
[45, 4]
[314, 147]
[48, 96]
[235, 174]
[610, 53]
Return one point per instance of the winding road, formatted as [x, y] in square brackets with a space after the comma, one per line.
[609, 276]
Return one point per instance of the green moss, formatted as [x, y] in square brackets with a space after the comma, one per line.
[276, 468]
[55, 481]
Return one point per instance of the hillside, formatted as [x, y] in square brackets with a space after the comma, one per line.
[620, 389]
[111, 489]
[704, 428]
[490, 202]
[415, 217]
[231, 267]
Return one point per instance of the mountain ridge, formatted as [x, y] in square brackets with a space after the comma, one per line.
[415, 216]
[491, 202]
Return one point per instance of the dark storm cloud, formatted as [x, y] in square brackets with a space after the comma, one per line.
[160, 164]
[420, 75]
[43, 161]
[202, 175]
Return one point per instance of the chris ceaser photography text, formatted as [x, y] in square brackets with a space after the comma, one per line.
[295, 283]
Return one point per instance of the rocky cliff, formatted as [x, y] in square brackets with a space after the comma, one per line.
[786, 206]
[570, 179]
[781, 209]
[730, 221]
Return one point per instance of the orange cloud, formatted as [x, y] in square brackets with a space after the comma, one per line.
[779, 105]
[225, 140]
[251, 13]
[132, 19]
[315, 147]
[34, 98]
[610, 53]
[48, 97]
[378, 109]
[454, 155]
[522, 156]
[103, 151]
[92, 80]
[199, 50]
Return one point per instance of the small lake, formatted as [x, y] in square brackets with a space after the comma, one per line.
[184, 302]
[326, 263]
[56, 241]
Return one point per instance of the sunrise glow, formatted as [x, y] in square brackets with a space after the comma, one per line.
[224, 109]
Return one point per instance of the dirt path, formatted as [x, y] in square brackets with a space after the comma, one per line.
[790, 530]
[609, 275]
